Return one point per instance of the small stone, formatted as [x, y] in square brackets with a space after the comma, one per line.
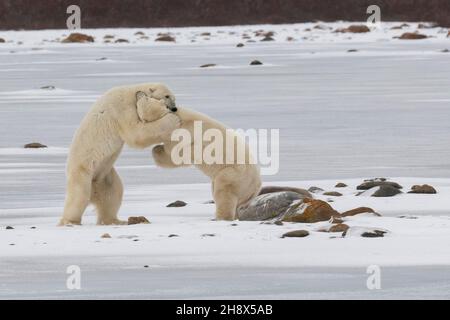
[352, 50]
[9, 228]
[106, 236]
[121, 41]
[267, 38]
[32, 227]
[146, 266]
[208, 65]
[341, 227]
[256, 63]
[209, 202]
[78, 38]
[101, 59]
[2, 40]
[278, 223]
[445, 50]
[332, 194]
[173, 235]
[208, 235]
[340, 185]
[234, 224]
[48, 88]
[176, 204]
[296, 234]
[354, 29]
[423, 189]
[139, 33]
[315, 190]
[412, 36]
[138, 220]
[108, 36]
[165, 38]
[374, 234]
[34, 145]
[240, 45]
[205, 34]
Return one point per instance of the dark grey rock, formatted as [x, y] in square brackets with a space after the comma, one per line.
[176, 204]
[376, 183]
[315, 189]
[386, 191]
[255, 62]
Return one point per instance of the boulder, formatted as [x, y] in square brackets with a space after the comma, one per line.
[268, 206]
[381, 191]
[296, 234]
[309, 211]
[138, 220]
[354, 29]
[425, 189]
[34, 145]
[412, 36]
[176, 204]
[78, 38]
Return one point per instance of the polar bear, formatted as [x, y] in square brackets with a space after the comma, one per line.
[112, 121]
[234, 183]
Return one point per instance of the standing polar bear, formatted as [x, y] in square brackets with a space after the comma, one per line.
[112, 121]
[235, 180]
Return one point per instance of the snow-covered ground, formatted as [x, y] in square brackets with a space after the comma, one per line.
[343, 116]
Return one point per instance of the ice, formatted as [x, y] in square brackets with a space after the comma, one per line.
[343, 116]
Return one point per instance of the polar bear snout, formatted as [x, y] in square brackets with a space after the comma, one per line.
[173, 109]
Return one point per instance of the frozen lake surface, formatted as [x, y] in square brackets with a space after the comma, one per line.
[343, 116]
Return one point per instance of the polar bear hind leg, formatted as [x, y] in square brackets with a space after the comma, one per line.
[225, 197]
[107, 197]
[77, 197]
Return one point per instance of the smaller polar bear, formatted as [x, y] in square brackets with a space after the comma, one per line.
[112, 121]
[235, 183]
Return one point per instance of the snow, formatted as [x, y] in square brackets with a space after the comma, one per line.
[343, 117]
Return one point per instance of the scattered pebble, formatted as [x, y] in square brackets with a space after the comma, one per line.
[34, 145]
[106, 236]
[176, 204]
[332, 194]
[165, 38]
[296, 234]
[256, 63]
[138, 220]
[9, 228]
[173, 235]
[208, 65]
[240, 45]
[48, 88]
[340, 185]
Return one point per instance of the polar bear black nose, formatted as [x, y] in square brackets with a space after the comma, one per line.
[173, 109]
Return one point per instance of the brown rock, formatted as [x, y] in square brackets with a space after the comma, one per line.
[448, 34]
[354, 29]
[341, 227]
[138, 220]
[296, 234]
[78, 38]
[290, 39]
[176, 204]
[332, 194]
[34, 145]
[412, 36]
[310, 211]
[106, 236]
[267, 38]
[165, 38]
[340, 185]
[2, 40]
[359, 210]
[425, 189]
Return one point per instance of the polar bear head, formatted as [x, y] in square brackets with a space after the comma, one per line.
[151, 109]
[161, 92]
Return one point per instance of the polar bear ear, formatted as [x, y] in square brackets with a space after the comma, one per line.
[140, 95]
